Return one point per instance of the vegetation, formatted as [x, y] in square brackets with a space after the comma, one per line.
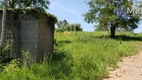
[77, 56]
[22, 4]
[65, 26]
[111, 14]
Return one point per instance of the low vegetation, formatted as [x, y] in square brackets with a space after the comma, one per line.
[77, 56]
[65, 26]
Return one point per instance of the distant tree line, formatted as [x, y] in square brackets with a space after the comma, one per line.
[65, 26]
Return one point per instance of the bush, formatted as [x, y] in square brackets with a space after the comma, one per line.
[59, 30]
[5, 55]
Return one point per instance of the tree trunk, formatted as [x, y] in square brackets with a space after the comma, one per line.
[3, 23]
[112, 30]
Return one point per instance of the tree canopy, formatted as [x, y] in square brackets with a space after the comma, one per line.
[111, 14]
[62, 23]
[27, 3]
[65, 26]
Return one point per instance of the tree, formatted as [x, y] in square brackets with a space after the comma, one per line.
[76, 27]
[63, 23]
[59, 24]
[22, 4]
[3, 22]
[68, 27]
[111, 14]
[101, 27]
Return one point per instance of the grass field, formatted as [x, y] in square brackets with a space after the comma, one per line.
[78, 56]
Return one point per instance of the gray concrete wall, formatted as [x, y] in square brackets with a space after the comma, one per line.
[10, 23]
[27, 38]
[33, 34]
[45, 38]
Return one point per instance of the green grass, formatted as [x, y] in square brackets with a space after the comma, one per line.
[79, 56]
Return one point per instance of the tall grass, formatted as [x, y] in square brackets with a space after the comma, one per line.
[78, 56]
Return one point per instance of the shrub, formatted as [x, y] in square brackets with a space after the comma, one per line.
[59, 30]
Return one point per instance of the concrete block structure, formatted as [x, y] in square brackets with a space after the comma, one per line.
[31, 31]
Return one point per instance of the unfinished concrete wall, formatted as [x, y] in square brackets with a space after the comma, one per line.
[28, 40]
[10, 23]
[27, 35]
[45, 37]
[33, 34]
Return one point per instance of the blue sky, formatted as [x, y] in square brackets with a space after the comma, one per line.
[72, 11]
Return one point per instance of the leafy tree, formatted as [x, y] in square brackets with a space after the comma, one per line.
[111, 14]
[59, 24]
[73, 27]
[22, 4]
[59, 30]
[63, 23]
[67, 28]
[76, 27]
[100, 27]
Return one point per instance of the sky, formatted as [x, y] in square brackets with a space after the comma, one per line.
[72, 11]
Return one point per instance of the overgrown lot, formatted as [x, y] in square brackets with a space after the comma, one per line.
[78, 56]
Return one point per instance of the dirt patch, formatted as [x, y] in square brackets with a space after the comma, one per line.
[130, 68]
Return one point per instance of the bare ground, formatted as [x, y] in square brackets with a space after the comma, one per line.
[130, 68]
